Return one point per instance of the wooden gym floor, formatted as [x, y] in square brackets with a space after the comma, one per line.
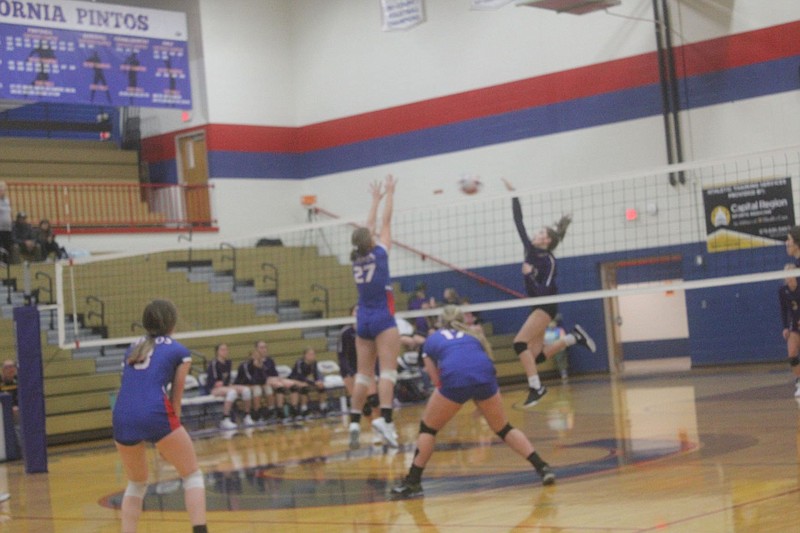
[700, 451]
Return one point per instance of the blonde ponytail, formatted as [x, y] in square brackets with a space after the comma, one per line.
[453, 318]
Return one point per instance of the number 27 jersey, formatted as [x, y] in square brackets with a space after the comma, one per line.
[371, 274]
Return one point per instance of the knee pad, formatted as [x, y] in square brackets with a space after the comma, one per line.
[257, 392]
[390, 375]
[267, 390]
[280, 390]
[373, 400]
[520, 347]
[503, 432]
[136, 489]
[231, 395]
[366, 410]
[194, 480]
[247, 394]
[304, 390]
[794, 361]
[293, 388]
[363, 379]
[425, 428]
[541, 358]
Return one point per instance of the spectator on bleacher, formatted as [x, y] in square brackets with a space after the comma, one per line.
[420, 301]
[450, 297]
[253, 374]
[8, 384]
[280, 386]
[6, 224]
[306, 372]
[25, 244]
[47, 241]
[218, 383]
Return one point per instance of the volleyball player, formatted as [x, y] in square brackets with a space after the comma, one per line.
[377, 337]
[218, 383]
[144, 412]
[458, 359]
[789, 299]
[539, 272]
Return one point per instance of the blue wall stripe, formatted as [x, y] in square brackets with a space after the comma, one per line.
[770, 77]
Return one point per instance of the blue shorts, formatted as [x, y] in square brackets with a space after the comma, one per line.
[482, 391]
[371, 324]
[150, 427]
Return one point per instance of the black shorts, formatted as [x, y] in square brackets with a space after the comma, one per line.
[550, 309]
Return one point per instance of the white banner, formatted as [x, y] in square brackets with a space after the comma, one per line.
[402, 14]
[95, 17]
[486, 5]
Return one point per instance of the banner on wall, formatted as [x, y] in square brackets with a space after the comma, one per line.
[748, 215]
[402, 14]
[68, 51]
[488, 4]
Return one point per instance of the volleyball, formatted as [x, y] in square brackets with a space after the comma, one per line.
[469, 184]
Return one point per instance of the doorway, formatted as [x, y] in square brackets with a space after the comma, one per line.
[193, 176]
[647, 332]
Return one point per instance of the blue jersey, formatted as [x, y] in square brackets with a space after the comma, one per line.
[143, 410]
[374, 284]
[460, 358]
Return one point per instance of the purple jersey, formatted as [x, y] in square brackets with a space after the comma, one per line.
[371, 274]
[143, 410]
[790, 307]
[460, 358]
[542, 280]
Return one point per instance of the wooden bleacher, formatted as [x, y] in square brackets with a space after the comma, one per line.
[35, 159]
[103, 182]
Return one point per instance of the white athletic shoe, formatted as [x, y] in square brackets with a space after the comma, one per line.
[248, 421]
[386, 430]
[797, 388]
[355, 435]
[227, 423]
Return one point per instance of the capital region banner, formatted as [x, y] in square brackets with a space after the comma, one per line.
[68, 51]
[748, 215]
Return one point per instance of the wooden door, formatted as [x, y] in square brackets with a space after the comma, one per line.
[194, 177]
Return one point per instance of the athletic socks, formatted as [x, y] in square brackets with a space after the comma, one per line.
[535, 460]
[534, 382]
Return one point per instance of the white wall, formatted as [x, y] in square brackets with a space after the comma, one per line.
[299, 62]
[249, 62]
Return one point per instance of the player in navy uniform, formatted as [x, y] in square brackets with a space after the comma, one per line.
[145, 412]
[377, 338]
[281, 387]
[539, 271]
[252, 373]
[218, 383]
[305, 372]
[789, 299]
[458, 359]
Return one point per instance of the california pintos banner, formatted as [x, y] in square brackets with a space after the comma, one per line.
[79, 52]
